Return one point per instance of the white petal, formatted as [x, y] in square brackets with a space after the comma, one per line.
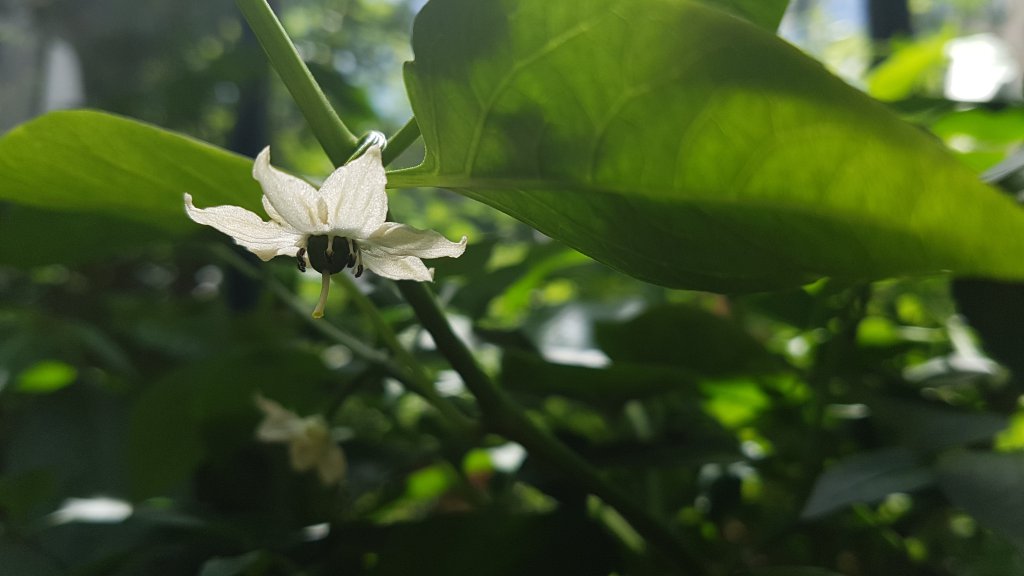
[264, 239]
[293, 200]
[355, 196]
[304, 453]
[403, 240]
[396, 267]
[331, 467]
[279, 424]
[272, 212]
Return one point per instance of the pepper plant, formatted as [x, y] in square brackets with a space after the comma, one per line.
[774, 396]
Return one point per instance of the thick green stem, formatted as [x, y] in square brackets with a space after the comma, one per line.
[416, 372]
[411, 378]
[507, 419]
[328, 128]
[500, 413]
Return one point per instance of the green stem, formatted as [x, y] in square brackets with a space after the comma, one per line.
[336, 138]
[499, 412]
[415, 370]
[461, 425]
[401, 140]
[507, 419]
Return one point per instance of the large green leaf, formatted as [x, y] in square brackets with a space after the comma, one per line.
[766, 13]
[100, 165]
[689, 148]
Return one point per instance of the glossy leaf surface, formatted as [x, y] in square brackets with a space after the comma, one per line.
[98, 164]
[689, 148]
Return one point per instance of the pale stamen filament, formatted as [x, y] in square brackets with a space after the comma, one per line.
[330, 245]
[325, 287]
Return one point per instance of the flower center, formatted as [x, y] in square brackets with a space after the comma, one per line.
[332, 254]
[329, 255]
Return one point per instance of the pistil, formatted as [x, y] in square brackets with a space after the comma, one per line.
[325, 287]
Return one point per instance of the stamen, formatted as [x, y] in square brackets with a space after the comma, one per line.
[353, 250]
[358, 259]
[301, 257]
[325, 287]
[330, 246]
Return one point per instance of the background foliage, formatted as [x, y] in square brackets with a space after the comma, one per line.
[838, 427]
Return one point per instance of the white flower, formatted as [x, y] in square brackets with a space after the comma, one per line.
[309, 441]
[341, 225]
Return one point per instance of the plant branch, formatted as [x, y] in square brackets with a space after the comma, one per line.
[507, 419]
[328, 128]
[414, 368]
[409, 377]
[499, 412]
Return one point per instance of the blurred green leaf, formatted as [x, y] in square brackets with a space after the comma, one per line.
[987, 485]
[27, 236]
[864, 478]
[23, 558]
[480, 544]
[206, 408]
[734, 402]
[609, 385]
[248, 564]
[93, 163]
[931, 429]
[1005, 126]
[46, 377]
[793, 571]
[21, 495]
[908, 68]
[690, 150]
[429, 483]
[688, 337]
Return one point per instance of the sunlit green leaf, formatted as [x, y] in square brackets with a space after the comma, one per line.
[690, 149]
[97, 164]
[910, 66]
[46, 377]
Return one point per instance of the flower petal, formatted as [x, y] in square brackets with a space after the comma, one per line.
[293, 200]
[279, 424]
[355, 196]
[395, 267]
[264, 239]
[331, 467]
[403, 240]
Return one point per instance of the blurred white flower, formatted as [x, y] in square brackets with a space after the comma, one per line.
[309, 441]
[341, 225]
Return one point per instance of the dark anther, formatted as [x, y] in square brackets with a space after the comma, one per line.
[359, 271]
[302, 261]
